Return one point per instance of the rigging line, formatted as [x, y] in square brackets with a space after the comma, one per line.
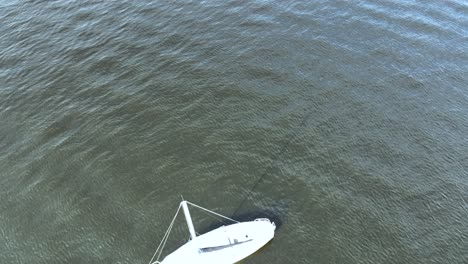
[214, 217]
[165, 241]
[291, 135]
[165, 237]
[220, 215]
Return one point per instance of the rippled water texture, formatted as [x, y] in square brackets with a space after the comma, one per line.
[346, 121]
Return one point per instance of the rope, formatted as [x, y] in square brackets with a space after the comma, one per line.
[164, 240]
[275, 157]
[214, 217]
[209, 211]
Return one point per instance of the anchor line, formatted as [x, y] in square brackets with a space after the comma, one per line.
[274, 159]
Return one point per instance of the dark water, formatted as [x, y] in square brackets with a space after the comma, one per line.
[346, 120]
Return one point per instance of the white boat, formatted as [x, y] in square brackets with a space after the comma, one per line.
[224, 245]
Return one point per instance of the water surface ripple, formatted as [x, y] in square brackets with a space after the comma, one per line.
[344, 120]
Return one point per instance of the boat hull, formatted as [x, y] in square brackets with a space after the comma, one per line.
[225, 245]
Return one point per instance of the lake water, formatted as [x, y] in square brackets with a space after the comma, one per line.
[345, 121]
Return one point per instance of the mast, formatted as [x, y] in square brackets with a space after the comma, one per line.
[188, 218]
